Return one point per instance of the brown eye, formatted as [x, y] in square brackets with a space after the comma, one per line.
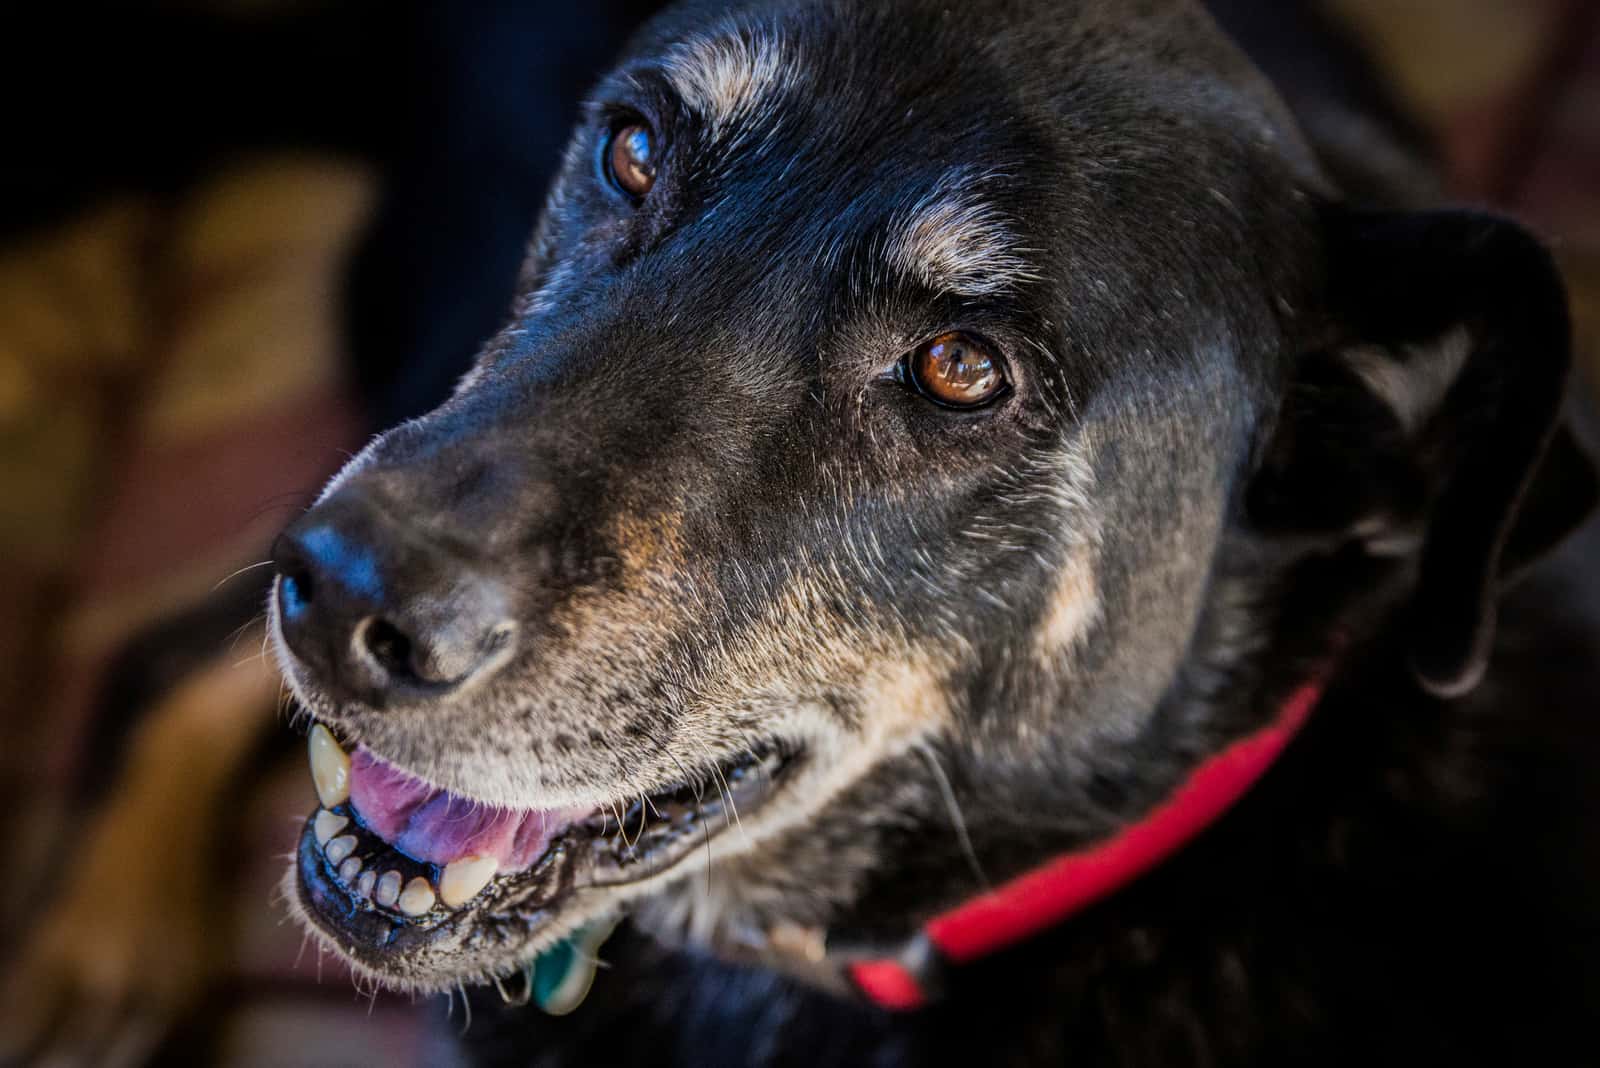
[956, 370]
[631, 159]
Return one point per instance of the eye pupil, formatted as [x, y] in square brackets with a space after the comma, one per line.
[631, 159]
[957, 371]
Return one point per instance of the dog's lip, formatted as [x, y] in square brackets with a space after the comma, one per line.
[377, 900]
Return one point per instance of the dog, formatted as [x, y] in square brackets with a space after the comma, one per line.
[988, 536]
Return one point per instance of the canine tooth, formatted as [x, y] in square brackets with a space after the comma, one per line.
[350, 869]
[388, 891]
[417, 897]
[340, 847]
[327, 825]
[364, 884]
[462, 879]
[330, 767]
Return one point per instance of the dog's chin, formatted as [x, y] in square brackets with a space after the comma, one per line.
[422, 889]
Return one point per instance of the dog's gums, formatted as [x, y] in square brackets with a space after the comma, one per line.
[388, 859]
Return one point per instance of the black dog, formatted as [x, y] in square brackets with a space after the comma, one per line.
[941, 460]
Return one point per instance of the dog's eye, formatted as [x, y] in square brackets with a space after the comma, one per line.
[957, 371]
[631, 159]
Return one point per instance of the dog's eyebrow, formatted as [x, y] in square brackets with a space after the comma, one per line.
[726, 75]
[954, 240]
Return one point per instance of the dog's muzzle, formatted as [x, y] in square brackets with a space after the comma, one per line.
[379, 613]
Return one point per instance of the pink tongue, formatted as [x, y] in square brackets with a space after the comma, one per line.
[436, 826]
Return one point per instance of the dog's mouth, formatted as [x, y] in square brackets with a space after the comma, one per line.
[389, 864]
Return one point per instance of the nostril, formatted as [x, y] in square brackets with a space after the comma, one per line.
[296, 586]
[390, 648]
[296, 589]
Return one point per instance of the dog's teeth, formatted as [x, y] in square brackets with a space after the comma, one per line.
[365, 883]
[340, 848]
[462, 879]
[330, 767]
[417, 897]
[327, 825]
[388, 891]
[349, 870]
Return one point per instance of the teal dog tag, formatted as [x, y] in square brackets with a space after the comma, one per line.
[564, 973]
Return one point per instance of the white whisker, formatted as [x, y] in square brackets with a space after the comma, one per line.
[949, 795]
[242, 570]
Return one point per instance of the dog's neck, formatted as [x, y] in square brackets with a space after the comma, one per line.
[1237, 701]
[1054, 891]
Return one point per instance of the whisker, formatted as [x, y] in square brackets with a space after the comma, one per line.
[280, 501]
[949, 795]
[706, 834]
[622, 826]
[727, 795]
[248, 567]
[527, 988]
[689, 780]
[232, 640]
[466, 1007]
[751, 752]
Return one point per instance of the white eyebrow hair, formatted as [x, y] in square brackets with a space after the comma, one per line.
[953, 240]
[728, 75]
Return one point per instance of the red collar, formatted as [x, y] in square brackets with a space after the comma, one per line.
[1060, 887]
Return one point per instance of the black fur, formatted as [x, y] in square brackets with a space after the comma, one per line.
[1413, 884]
[1309, 414]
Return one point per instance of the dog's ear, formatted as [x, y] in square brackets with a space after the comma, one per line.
[1426, 422]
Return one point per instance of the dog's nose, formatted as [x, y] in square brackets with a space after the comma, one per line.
[376, 611]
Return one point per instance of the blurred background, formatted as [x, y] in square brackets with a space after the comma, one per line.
[237, 237]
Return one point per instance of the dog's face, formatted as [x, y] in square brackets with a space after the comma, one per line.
[841, 499]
